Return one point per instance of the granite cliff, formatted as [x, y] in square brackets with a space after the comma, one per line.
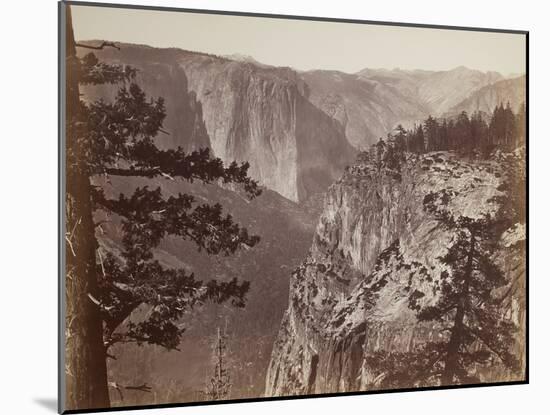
[245, 112]
[374, 240]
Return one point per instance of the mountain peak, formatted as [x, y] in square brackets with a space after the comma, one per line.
[243, 58]
[462, 68]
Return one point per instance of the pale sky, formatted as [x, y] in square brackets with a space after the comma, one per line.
[306, 45]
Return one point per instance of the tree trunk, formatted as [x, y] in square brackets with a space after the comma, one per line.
[85, 359]
[451, 362]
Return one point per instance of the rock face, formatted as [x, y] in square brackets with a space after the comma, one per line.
[349, 297]
[367, 108]
[259, 114]
[160, 76]
[244, 111]
[487, 98]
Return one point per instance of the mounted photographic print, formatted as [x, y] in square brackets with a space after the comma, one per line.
[259, 207]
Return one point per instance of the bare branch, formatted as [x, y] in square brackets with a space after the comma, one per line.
[94, 300]
[133, 172]
[487, 343]
[117, 387]
[142, 388]
[70, 245]
[102, 46]
[101, 261]
[69, 237]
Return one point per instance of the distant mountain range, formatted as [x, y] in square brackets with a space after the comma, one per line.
[298, 130]
[370, 103]
[488, 97]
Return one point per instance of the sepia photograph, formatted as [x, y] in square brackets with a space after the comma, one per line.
[258, 207]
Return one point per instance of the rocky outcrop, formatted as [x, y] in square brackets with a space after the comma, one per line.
[374, 244]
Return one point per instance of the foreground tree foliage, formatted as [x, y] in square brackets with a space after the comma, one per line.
[478, 331]
[474, 330]
[102, 290]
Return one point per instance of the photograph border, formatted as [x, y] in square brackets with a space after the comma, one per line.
[61, 204]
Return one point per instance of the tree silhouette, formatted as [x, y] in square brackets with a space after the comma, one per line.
[219, 385]
[118, 138]
[467, 307]
[400, 136]
[502, 128]
[521, 124]
[431, 135]
[465, 134]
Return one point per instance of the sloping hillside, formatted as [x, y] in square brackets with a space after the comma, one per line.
[487, 98]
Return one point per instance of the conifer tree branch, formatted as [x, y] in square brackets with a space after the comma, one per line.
[149, 217]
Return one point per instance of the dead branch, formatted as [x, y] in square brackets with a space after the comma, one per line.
[101, 261]
[102, 46]
[70, 245]
[70, 236]
[99, 304]
[142, 388]
[101, 222]
[117, 387]
[94, 300]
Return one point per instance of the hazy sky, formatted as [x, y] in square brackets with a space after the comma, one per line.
[306, 45]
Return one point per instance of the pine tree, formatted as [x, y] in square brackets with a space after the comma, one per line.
[451, 135]
[521, 125]
[498, 129]
[431, 134]
[463, 133]
[418, 140]
[510, 129]
[85, 367]
[444, 135]
[219, 385]
[378, 153]
[467, 307]
[102, 290]
[400, 137]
